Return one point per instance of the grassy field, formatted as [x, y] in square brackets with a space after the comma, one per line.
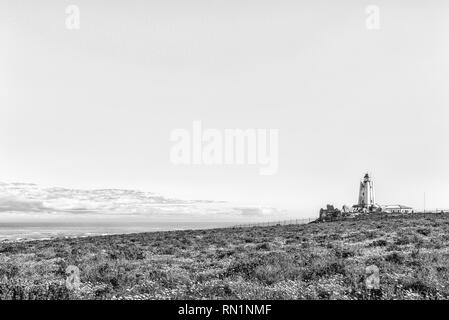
[314, 261]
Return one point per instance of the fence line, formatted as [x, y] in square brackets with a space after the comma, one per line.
[275, 223]
[307, 220]
[437, 211]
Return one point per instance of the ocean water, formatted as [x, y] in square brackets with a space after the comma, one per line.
[40, 230]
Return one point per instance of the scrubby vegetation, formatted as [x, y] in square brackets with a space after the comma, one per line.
[314, 261]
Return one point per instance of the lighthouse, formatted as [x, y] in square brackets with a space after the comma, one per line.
[367, 201]
[366, 192]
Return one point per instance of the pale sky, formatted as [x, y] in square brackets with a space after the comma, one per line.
[94, 107]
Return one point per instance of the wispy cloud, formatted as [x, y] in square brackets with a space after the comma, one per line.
[12, 204]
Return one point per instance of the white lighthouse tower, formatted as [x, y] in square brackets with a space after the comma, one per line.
[366, 194]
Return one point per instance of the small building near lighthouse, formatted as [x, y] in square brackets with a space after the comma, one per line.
[397, 208]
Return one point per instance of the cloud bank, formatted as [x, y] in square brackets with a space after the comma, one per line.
[32, 199]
